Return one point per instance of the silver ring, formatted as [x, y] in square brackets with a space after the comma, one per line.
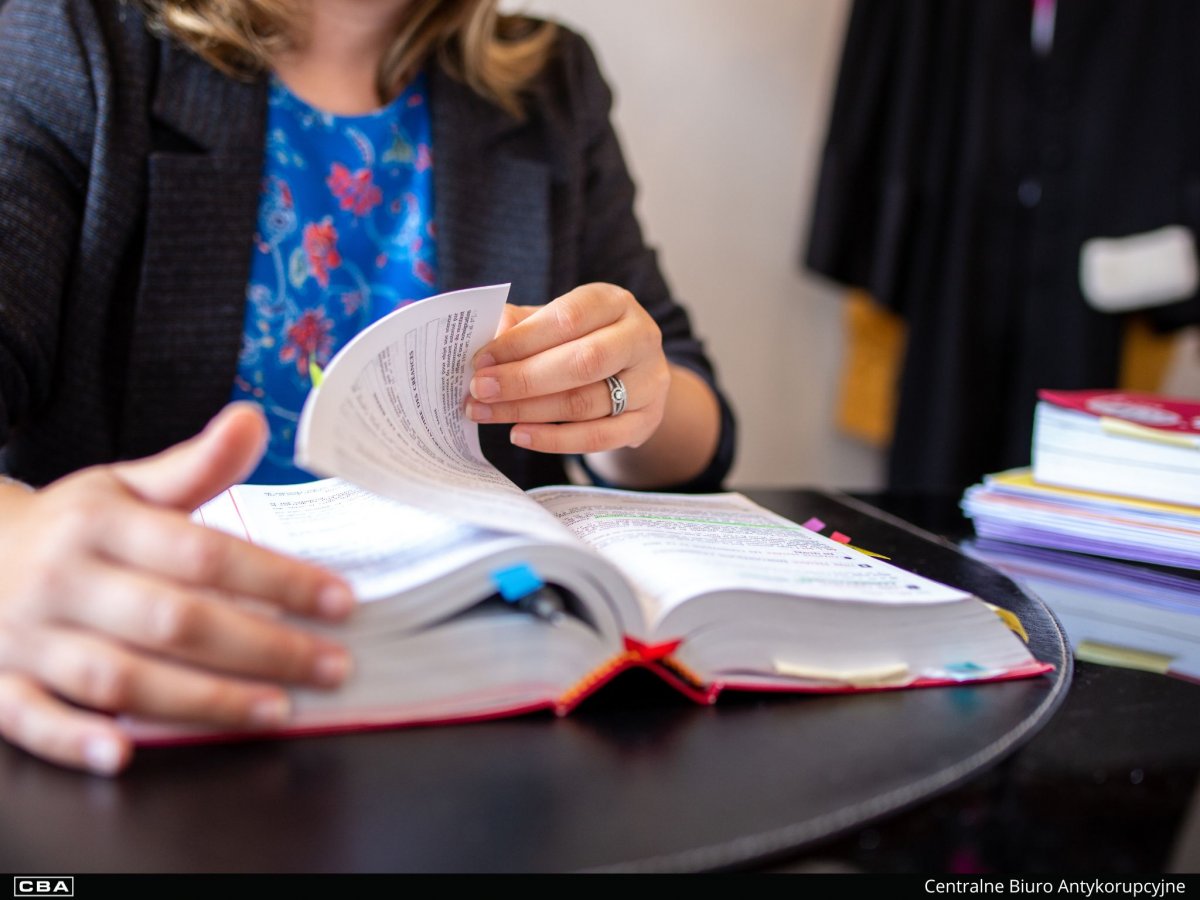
[616, 392]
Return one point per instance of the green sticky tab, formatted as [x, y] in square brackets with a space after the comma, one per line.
[315, 373]
[1125, 657]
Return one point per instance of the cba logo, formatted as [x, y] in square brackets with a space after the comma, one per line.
[43, 885]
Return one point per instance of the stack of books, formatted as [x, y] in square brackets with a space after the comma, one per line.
[1105, 525]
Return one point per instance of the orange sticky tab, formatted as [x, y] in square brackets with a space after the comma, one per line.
[840, 538]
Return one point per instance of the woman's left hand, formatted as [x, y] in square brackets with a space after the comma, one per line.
[546, 369]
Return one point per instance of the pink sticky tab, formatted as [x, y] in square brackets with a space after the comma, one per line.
[839, 537]
[814, 524]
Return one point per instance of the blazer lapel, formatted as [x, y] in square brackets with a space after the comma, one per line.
[204, 168]
[492, 194]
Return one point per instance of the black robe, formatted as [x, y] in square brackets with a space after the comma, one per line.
[961, 175]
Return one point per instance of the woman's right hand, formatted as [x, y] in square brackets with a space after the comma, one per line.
[112, 601]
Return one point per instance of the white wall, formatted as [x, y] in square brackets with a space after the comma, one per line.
[721, 108]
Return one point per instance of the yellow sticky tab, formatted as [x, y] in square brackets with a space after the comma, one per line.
[315, 373]
[896, 673]
[1010, 619]
[1125, 657]
[868, 552]
[1142, 433]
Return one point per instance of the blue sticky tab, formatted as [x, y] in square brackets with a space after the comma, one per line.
[964, 667]
[964, 671]
[517, 581]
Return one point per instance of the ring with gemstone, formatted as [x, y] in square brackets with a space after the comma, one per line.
[616, 392]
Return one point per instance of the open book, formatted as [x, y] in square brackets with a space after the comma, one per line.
[479, 599]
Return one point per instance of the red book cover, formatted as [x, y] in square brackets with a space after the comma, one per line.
[1168, 414]
[151, 734]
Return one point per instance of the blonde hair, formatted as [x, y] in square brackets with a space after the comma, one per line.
[495, 55]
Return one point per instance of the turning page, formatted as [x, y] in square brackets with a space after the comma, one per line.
[389, 415]
[677, 546]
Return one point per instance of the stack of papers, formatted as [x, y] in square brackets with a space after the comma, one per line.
[1122, 574]
[1012, 506]
[1114, 613]
[1105, 525]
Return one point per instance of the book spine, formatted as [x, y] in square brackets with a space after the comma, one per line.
[672, 672]
[594, 680]
[654, 658]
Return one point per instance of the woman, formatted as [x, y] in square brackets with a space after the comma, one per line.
[173, 177]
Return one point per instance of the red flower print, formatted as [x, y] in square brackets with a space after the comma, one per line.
[355, 189]
[307, 340]
[423, 271]
[352, 301]
[424, 158]
[320, 246]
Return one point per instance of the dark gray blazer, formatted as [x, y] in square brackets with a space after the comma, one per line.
[129, 188]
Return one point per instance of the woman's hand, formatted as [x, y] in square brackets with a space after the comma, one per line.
[547, 367]
[113, 602]
[546, 373]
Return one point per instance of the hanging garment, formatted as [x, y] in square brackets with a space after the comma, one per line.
[970, 159]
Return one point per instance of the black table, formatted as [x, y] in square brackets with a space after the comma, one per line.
[1108, 786]
[946, 779]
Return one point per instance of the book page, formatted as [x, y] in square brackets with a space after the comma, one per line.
[382, 547]
[389, 415]
[676, 546]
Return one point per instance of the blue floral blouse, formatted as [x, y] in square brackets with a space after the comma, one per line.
[345, 235]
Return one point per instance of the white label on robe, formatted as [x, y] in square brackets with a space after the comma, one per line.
[1139, 271]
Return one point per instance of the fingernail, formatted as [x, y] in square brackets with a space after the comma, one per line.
[335, 601]
[520, 438]
[331, 668]
[483, 360]
[485, 388]
[102, 754]
[270, 711]
[479, 412]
